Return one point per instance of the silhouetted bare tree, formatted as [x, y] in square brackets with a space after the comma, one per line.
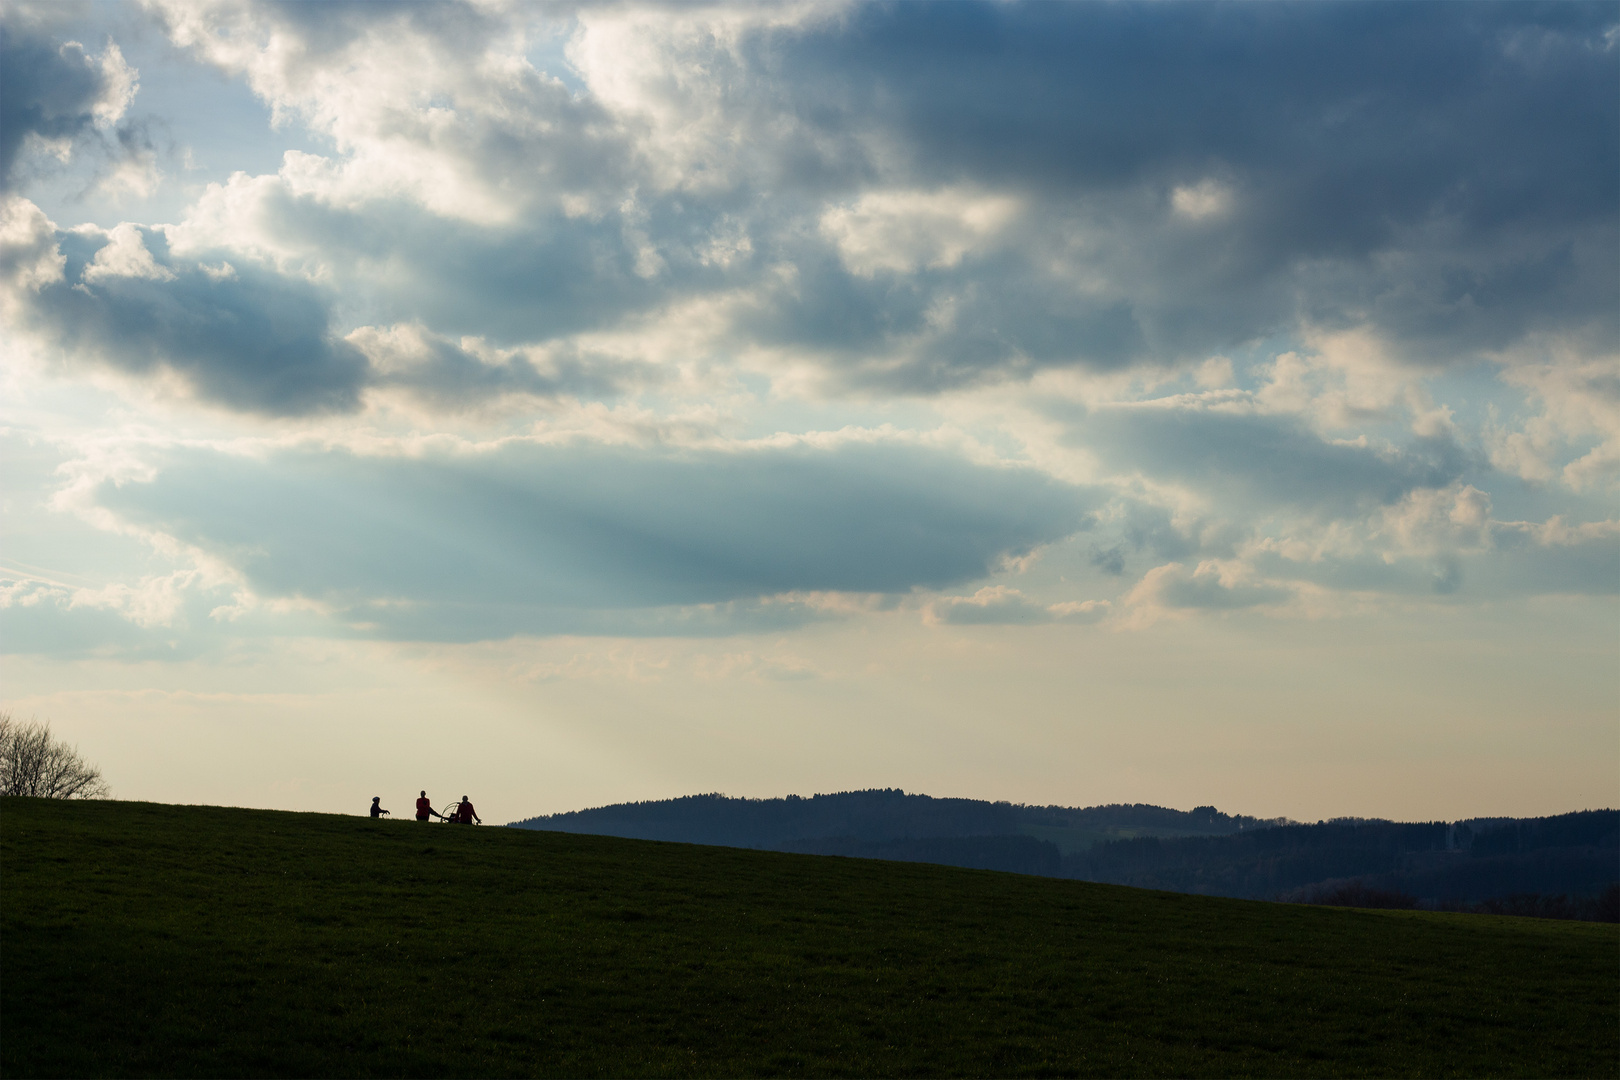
[34, 762]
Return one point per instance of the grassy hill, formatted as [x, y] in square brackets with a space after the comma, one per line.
[141, 939]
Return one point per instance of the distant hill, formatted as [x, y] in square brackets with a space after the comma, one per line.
[1437, 864]
[888, 823]
[875, 814]
[1434, 864]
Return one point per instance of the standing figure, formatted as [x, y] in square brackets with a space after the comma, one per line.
[465, 814]
[424, 809]
[376, 807]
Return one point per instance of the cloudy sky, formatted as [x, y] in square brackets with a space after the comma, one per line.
[1061, 403]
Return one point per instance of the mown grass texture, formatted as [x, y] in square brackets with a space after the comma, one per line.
[142, 939]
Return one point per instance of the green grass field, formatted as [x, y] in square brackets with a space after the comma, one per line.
[141, 939]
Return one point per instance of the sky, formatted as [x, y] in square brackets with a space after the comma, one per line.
[1058, 403]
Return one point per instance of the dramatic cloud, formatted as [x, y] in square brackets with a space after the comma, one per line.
[525, 537]
[919, 197]
[245, 336]
[54, 95]
[250, 339]
[1438, 164]
[1304, 299]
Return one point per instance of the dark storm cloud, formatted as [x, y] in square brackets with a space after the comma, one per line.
[542, 538]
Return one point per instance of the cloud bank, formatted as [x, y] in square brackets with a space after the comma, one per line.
[1154, 309]
[523, 537]
[917, 197]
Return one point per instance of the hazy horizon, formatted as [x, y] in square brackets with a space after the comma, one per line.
[1068, 404]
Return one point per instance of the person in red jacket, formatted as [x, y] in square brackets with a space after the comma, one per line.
[424, 809]
[465, 814]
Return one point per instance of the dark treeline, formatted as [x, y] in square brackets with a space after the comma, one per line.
[1436, 865]
[884, 814]
[875, 814]
[1563, 867]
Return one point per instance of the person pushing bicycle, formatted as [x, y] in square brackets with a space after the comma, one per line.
[464, 814]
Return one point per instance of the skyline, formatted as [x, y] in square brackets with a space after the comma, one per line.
[1065, 404]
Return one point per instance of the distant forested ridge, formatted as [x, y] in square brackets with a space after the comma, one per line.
[852, 820]
[1529, 865]
[887, 823]
[1439, 863]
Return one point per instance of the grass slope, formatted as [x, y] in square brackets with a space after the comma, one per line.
[141, 939]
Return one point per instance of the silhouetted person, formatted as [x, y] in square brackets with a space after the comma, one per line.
[424, 809]
[465, 814]
[376, 808]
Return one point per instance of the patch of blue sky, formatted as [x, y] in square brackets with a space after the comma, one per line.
[548, 53]
[49, 542]
[198, 124]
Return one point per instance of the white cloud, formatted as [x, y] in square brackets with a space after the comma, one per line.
[999, 605]
[247, 216]
[153, 602]
[125, 256]
[30, 257]
[1574, 434]
[223, 272]
[437, 106]
[679, 83]
[903, 231]
[1437, 521]
[1212, 585]
[1202, 201]
[691, 232]
[119, 87]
